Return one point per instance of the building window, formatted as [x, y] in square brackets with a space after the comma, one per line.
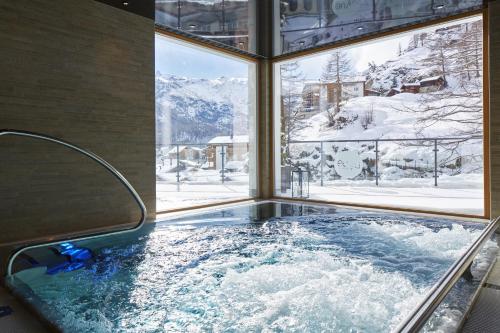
[397, 122]
[293, 5]
[205, 125]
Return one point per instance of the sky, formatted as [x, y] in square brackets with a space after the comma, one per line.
[378, 52]
[176, 58]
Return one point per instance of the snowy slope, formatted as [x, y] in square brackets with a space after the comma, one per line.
[397, 117]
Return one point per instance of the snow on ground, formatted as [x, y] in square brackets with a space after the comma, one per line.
[168, 196]
[464, 200]
[198, 187]
[391, 120]
[456, 200]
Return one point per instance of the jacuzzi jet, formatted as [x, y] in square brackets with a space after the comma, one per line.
[76, 258]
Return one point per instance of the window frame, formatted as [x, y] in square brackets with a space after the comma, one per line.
[276, 117]
[223, 51]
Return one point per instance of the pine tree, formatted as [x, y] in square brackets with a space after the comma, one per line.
[337, 69]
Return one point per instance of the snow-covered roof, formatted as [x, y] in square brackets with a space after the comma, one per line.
[181, 148]
[352, 79]
[174, 150]
[434, 78]
[228, 139]
[310, 82]
[410, 84]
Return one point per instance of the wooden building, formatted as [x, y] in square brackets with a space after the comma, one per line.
[412, 88]
[235, 148]
[188, 153]
[393, 91]
[432, 84]
[316, 95]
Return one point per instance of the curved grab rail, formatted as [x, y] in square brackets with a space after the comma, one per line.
[97, 159]
[418, 318]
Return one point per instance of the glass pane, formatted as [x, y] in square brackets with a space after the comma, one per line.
[306, 23]
[205, 125]
[394, 122]
[231, 22]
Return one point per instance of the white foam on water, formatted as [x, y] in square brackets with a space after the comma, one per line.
[446, 243]
[255, 279]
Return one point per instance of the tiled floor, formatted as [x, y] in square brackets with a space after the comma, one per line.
[20, 321]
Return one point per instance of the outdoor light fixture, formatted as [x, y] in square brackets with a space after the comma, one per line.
[125, 3]
[360, 28]
[439, 6]
[302, 43]
[192, 26]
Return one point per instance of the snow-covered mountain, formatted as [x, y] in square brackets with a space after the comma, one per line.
[192, 110]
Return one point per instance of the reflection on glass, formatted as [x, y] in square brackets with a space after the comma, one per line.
[205, 125]
[394, 122]
[231, 22]
[308, 23]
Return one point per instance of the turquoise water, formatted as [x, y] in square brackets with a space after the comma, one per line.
[267, 268]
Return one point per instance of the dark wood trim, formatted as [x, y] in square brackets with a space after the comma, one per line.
[486, 116]
[272, 179]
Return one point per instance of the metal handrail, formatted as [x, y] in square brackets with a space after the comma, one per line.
[100, 161]
[418, 318]
[467, 138]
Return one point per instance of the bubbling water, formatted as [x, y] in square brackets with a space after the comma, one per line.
[302, 274]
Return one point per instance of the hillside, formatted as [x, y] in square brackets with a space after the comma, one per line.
[452, 111]
[194, 110]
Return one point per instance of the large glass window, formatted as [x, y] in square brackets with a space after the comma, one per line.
[205, 123]
[393, 122]
[303, 25]
[231, 22]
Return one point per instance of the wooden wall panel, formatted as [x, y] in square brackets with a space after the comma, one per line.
[81, 71]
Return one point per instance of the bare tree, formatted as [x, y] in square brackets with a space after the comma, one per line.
[337, 69]
[292, 80]
[456, 54]
[367, 117]
[459, 54]
[440, 44]
[467, 58]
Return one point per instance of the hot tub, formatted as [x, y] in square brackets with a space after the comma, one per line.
[262, 267]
